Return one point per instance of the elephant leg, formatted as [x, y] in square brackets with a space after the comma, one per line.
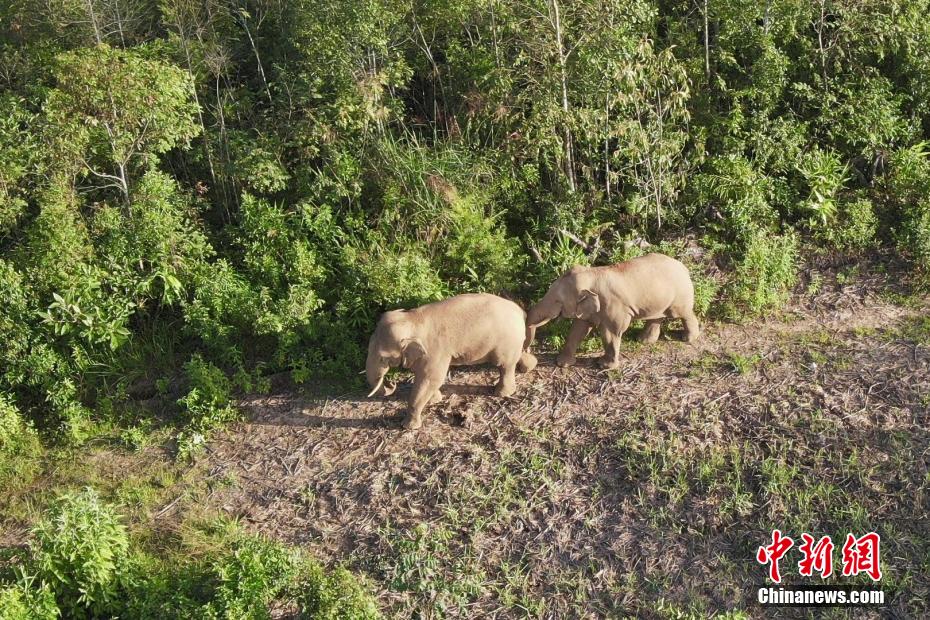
[652, 331]
[692, 327]
[507, 384]
[426, 384]
[527, 362]
[436, 398]
[611, 336]
[576, 334]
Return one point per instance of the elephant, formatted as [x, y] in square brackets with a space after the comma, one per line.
[473, 328]
[652, 288]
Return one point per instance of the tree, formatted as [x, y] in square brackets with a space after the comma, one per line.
[114, 109]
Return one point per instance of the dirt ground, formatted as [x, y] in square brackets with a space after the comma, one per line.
[640, 492]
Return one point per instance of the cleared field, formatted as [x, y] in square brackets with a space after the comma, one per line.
[644, 491]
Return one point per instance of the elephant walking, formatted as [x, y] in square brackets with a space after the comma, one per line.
[652, 288]
[466, 329]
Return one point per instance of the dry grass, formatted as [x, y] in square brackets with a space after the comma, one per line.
[641, 492]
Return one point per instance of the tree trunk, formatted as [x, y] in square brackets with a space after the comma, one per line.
[563, 74]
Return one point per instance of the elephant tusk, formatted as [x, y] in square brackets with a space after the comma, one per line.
[377, 387]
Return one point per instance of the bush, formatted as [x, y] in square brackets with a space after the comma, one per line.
[479, 256]
[706, 289]
[19, 447]
[907, 198]
[334, 596]
[824, 175]
[763, 275]
[913, 235]
[79, 549]
[854, 228]
[206, 406]
[249, 578]
[26, 600]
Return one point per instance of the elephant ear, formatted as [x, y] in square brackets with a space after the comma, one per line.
[413, 351]
[588, 305]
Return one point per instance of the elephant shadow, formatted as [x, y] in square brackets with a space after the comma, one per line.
[320, 408]
[450, 387]
[330, 421]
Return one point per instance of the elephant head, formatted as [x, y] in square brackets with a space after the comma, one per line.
[569, 297]
[394, 343]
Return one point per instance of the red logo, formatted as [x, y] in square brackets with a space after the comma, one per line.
[860, 555]
[773, 553]
[817, 557]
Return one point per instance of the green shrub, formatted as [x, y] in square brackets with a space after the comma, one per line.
[824, 175]
[249, 578]
[556, 257]
[79, 549]
[337, 595]
[155, 241]
[27, 600]
[221, 311]
[740, 193]
[907, 194]
[19, 151]
[706, 289]
[763, 275]
[387, 276]
[855, 227]
[913, 235]
[19, 447]
[479, 256]
[206, 406]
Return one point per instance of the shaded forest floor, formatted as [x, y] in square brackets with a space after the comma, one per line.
[639, 492]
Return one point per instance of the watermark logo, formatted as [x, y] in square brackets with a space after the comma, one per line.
[771, 554]
[859, 555]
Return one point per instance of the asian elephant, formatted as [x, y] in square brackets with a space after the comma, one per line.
[652, 288]
[466, 329]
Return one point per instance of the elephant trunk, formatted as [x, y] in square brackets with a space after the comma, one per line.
[530, 337]
[547, 309]
[376, 373]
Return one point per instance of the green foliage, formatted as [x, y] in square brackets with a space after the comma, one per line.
[336, 595]
[18, 149]
[19, 447]
[114, 108]
[79, 549]
[254, 187]
[855, 228]
[706, 289]
[85, 566]
[763, 276]
[25, 600]
[252, 575]
[206, 406]
[908, 198]
[824, 174]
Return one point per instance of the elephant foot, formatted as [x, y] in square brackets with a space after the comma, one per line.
[608, 362]
[527, 362]
[649, 337]
[412, 422]
[436, 398]
[691, 337]
[565, 360]
[505, 389]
